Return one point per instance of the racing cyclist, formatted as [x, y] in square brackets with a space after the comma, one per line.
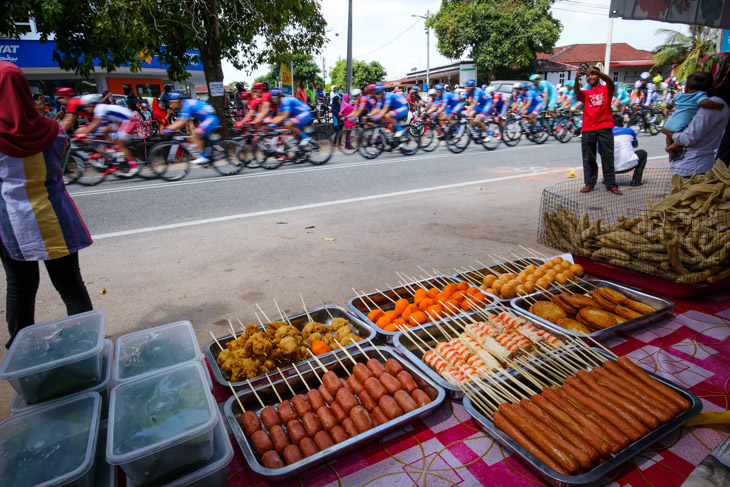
[189, 110]
[622, 97]
[73, 108]
[481, 104]
[291, 112]
[531, 103]
[547, 92]
[391, 106]
[364, 104]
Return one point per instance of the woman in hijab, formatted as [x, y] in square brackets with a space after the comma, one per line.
[38, 219]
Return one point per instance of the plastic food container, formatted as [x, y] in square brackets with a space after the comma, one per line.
[215, 474]
[162, 424]
[57, 358]
[51, 446]
[106, 475]
[17, 405]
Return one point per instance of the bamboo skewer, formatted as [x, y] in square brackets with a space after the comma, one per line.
[361, 350]
[324, 307]
[286, 382]
[376, 349]
[360, 297]
[230, 323]
[241, 324]
[216, 340]
[260, 322]
[340, 362]
[302, 378]
[263, 314]
[274, 388]
[309, 318]
[385, 295]
[238, 399]
[255, 393]
[316, 359]
[346, 352]
[283, 318]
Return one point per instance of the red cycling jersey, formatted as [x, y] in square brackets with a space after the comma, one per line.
[74, 106]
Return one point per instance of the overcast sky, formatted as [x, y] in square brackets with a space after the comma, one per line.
[376, 23]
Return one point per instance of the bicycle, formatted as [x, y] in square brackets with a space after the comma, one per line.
[521, 124]
[90, 166]
[378, 138]
[173, 157]
[275, 148]
[644, 117]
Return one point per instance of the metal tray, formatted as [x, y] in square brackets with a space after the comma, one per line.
[361, 306]
[233, 413]
[415, 355]
[592, 477]
[473, 277]
[320, 315]
[662, 306]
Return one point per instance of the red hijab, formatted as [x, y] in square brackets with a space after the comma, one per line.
[23, 132]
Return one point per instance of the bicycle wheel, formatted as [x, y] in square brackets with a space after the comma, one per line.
[319, 151]
[457, 138]
[225, 159]
[490, 137]
[372, 143]
[74, 169]
[415, 128]
[90, 174]
[172, 159]
[429, 140]
[511, 133]
[540, 136]
[352, 140]
[409, 144]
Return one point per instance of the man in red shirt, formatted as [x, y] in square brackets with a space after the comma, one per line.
[597, 128]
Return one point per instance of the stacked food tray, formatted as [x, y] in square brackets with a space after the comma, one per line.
[252, 439]
[323, 315]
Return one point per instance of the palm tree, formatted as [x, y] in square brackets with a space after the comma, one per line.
[687, 49]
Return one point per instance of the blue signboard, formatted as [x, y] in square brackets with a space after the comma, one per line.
[33, 54]
[725, 44]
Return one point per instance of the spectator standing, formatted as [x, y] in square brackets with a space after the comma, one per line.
[319, 95]
[107, 97]
[40, 221]
[132, 101]
[311, 95]
[39, 101]
[597, 128]
[238, 103]
[336, 104]
[302, 93]
[625, 158]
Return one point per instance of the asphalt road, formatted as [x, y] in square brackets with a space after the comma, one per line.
[208, 248]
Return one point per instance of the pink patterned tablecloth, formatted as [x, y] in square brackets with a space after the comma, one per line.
[449, 448]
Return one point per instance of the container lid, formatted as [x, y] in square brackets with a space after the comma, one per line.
[155, 412]
[45, 346]
[50, 446]
[18, 405]
[105, 474]
[154, 349]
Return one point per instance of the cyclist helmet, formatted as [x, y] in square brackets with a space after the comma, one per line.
[490, 89]
[438, 87]
[369, 88]
[570, 83]
[92, 99]
[431, 92]
[524, 85]
[464, 96]
[644, 76]
[245, 95]
[447, 87]
[379, 87]
[484, 87]
[535, 77]
[657, 79]
[65, 91]
[356, 92]
[517, 86]
[257, 86]
[275, 92]
[471, 83]
[175, 95]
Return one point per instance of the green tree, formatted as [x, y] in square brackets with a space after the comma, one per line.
[306, 69]
[272, 77]
[495, 33]
[684, 49]
[362, 73]
[120, 32]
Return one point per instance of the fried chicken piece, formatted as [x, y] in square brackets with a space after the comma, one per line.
[286, 331]
[258, 344]
[337, 323]
[224, 356]
[311, 338]
[272, 327]
[287, 345]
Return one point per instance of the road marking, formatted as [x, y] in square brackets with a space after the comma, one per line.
[314, 205]
[222, 179]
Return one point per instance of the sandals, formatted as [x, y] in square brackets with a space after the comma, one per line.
[586, 189]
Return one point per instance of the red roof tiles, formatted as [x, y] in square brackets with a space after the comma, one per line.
[594, 53]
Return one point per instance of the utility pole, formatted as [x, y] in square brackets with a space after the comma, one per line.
[607, 63]
[348, 83]
[428, 50]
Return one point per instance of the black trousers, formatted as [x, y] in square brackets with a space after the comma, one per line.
[639, 169]
[23, 278]
[604, 139]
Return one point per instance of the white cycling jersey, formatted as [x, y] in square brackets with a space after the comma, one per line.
[112, 113]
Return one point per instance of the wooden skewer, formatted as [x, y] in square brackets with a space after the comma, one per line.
[302, 378]
[286, 381]
[360, 297]
[324, 307]
[316, 359]
[361, 350]
[260, 322]
[371, 300]
[600, 345]
[216, 340]
[406, 284]
[476, 271]
[340, 362]
[377, 350]
[385, 295]
[238, 399]
[230, 323]
[309, 318]
[241, 324]
[283, 318]
[535, 371]
[346, 352]
[273, 388]
[255, 393]
[263, 314]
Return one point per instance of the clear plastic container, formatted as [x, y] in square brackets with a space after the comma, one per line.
[215, 473]
[153, 350]
[106, 475]
[51, 446]
[162, 424]
[17, 405]
[57, 358]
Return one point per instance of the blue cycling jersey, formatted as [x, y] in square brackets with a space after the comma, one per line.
[393, 101]
[533, 97]
[546, 87]
[294, 106]
[451, 99]
[622, 95]
[198, 109]
[480, 97]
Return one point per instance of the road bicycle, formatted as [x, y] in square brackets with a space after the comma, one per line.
[516, 125]
[172, 158]
[379, 138]
[278, 146]
[646, 118]
[91, 161]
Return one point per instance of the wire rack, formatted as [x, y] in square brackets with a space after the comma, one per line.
[685, 238]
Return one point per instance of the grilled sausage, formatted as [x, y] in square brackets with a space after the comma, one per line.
[638, 387]
[375, 388]
[431, 392]
[390, 383]
[345, 384]
[296, 431]
[261, 441]
[323, 440]
[379, 416]
[354, 385]
[361, 418]
[279, 438]
[269, 417]
[649, 420]
[346, 399]
[390, 407]
[362, 372]
[286, 412]
[366, 400]
[328, 398]
[311, 424]
[641, 374]
[308, 447]
[331, 382]
[624, 390]
[420, 397]
[405, 401]
[271, 459]
[301, 405]
[338, 434]
[250, 423]
[315, 399]
[337, 410]
[528, 444]
[326, 417]
[406, 381]
[617, 435]
[375, 367]
[393, 367]
[292, 454]
[349, 427]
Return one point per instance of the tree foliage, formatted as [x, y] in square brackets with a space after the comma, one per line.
[306, 69]
[272, 77]
[495, 33]
[362, 73]
[684, 49]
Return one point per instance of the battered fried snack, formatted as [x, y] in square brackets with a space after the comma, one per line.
[602, 302]
[558, 299]
[573, 325]
[578, 300]
[642, 308]
[627, 313]
[548, 310]
[611, 295]
[595, 319]
[619, 319]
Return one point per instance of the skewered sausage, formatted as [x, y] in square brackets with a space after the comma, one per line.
[420, 397]
[390, 383]
[641, 374]
[617, 435]
[328, 398]
[286, 412]
[362, 372]
[269, 417]
[337, 410]
[375, 388]
[345, 384]
[250, 423]
[296, 431]
[301, 405]
[331, 382]
[323, 440]
[261, 441]
[279, 438]
[308, 446]
[603, 411]
[311, 424]
[366, 400]
[354, 385]
[390, 407]
[361, 418]
[379, 416]
[349, 427]
[624, 390]
[649, 420]
[406, 381]
[292, 454]
[375, 367]
[393, 367]
[431, 392]
[315, 399]
[271, 459]
[637, 386]
[338, 434]
[405, 401]
[420, 381]
[346, 399]
[326, 417]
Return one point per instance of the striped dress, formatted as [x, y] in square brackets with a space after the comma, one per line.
[38, 218]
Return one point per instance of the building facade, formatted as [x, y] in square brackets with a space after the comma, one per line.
[451, 74]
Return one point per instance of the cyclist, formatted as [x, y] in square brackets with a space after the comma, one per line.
[414, 101]
[481, 104]
[547, 92]
[436, 99]
[642, 90]
[622, 97]
[72, 109]
[499, 104]
[111, 118]
[531, 103]
[453, 103]
[365, 103]
[189, 110]
[391, 106]
[260, 104]
[294, 114]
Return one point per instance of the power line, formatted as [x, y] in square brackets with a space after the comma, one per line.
[580, 11]
[583, 4]
[390, 41]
